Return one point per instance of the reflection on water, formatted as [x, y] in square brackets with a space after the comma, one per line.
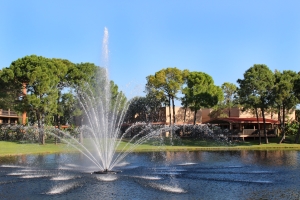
[168, 175]
[271, 158]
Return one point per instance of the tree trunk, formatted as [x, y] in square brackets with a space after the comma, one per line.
[184, 116]
[282, 125]
[174, 117]
[258, 128]
[43, 133]
[58, 120]
[41, 128]
[264, 123]
[195, 116]
[279, 116]
[170, 111]
[58, 126]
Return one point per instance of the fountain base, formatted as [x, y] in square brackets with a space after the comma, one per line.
[106, 172]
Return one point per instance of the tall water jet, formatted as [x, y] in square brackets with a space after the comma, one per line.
[104, 115]
[105, 51]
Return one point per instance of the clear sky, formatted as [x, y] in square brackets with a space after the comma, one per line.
[222, 38]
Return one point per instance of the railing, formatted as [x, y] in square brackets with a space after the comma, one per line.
[250, 132]
[255, 132]
[7, 113]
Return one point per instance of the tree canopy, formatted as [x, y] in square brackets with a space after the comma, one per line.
[255, 90]
[37, 85]
[201, 92]
[167, 82]
[284, 95]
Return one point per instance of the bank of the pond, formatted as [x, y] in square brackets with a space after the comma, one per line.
[15, 148]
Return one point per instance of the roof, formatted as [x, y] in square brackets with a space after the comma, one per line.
[237, 120]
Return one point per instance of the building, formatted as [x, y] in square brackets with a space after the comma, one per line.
[11, 117]
[203, 115]
[239, 125]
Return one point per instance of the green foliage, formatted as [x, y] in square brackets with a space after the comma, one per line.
[168, 80]
[144, 109]
[118, 99]
[40, 75]
[81, 74]
[220, 110]
[46, 81]
[68, 108]
[137, 110]
[166, 83]
[291, 128]
[201, 92]
[283, 88]
[255, 90]
[11, 133]
[283, 91]
[9, 93]
[229, 91]
[297, 86]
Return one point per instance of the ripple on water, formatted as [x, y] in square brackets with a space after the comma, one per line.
[168, 188]
[59, 189]
[122, 164]
[148, 177]
[187, 163]
[261, 172]
[62, 178]
[16, 174]
[27, 170]
[167, 173]
[35, 176]
[12, 166]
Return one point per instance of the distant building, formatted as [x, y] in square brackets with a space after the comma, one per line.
[11, 117]
[239, 125]
[8, 117]
[203, 115]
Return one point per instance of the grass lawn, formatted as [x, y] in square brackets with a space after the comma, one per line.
[8, 148]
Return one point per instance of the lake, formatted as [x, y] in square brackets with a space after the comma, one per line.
[164, 175]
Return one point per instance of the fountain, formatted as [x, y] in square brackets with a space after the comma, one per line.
[104, 118]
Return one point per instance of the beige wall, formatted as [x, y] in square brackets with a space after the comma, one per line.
[203, 115]
[289, 116]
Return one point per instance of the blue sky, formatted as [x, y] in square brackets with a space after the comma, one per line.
[220, 38]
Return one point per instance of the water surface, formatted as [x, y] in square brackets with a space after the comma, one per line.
[169, 175]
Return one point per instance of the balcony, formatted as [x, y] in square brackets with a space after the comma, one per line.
[8, 113]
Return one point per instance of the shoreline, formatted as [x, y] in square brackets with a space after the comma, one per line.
[20, 150]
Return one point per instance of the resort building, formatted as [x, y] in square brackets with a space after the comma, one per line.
[11, 117]
[203, 115]
[237, 124]
[8, 117]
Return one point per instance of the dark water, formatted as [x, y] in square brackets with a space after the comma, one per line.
[169, 175]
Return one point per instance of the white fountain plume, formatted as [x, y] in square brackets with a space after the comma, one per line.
[105, 51]
[104, 117]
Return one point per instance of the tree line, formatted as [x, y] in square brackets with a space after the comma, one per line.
[260, 90]
[50, 101]
[45, 88]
